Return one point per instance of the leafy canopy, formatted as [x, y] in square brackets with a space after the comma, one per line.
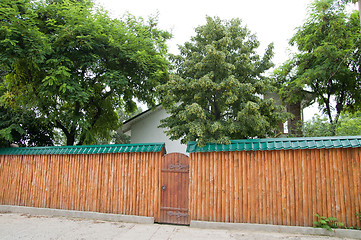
[73, 65]
[216, 92]
[327, 65]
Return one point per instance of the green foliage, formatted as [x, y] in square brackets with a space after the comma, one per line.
[216, 93]
[21, 126]
[24, 128]
[317, 127]
[349, 124]
[327, 65]
[327, 223]
[72, 64]
[117, 136]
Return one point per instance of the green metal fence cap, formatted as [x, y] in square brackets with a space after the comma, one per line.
[279, 144]
[88, 149]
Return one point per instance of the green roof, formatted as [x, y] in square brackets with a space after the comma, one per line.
[278, 144]
[90, 149]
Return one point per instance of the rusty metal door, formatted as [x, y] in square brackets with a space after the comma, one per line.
[174, 189]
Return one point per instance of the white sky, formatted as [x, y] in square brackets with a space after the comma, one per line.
[272, 21]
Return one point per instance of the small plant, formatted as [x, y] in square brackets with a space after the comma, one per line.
[327, 223]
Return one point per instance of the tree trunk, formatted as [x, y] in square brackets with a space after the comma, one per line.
[70, 139]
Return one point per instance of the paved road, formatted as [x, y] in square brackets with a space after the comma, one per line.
[17, 226]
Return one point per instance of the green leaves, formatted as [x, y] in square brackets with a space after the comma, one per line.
[75, 65]
[216, 93]
[327, 223]
[326, 69]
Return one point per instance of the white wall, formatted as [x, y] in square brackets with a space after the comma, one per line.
[146, 130]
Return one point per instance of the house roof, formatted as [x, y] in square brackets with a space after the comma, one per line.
[278, 144]
[128, 123]
[89, 149]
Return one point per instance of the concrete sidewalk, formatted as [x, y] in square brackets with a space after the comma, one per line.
[22, 226]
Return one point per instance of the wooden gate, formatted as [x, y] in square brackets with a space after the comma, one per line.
[174, 189]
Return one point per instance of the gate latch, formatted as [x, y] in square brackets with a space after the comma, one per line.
[164, 187]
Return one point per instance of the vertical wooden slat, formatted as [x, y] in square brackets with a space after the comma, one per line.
[349, 176]
[207, 189]
[346, 186]
[356, 169]
[314, 183]
[203, 188]
[342, 217]
[218, 184]
[297, 193]
[327, 181]
[192, 167]
[199, 187]
[241, 187]
[283, 187]
[266, 192]
[323, 184]
[231, 186]
[253, 187]
[223, 186]
[337, 185]
[331, 184]
[236, 209]
[292, 187]
[211, 201]
[258, 187]
[226, 184]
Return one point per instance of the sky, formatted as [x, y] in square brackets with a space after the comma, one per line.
[271, 21]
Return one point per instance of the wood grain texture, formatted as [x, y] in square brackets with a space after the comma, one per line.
[174, 189]
[283, 187]
[120, 183]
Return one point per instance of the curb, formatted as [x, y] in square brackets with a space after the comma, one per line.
[76, 214]
[341, 233]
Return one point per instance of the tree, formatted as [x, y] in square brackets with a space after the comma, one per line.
[73, 65]
[293, 96]
[22, 127]
[117, 136]
[317, 127]
[216, 93]
[354, 1]
[327, 64]
[349, 124]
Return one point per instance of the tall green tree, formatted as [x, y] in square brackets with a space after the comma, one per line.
[73, 65]
[217, 91]
[327, 64]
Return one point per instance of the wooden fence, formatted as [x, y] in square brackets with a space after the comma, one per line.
[283, 187]
[126, 183]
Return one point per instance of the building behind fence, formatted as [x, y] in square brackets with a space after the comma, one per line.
[266, 181]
